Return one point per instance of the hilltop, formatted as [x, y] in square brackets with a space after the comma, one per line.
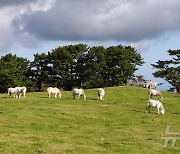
[118, 124]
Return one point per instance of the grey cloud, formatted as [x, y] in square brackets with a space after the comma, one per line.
[103, 20]
[14, 2]
[9, 10]
[6, 40]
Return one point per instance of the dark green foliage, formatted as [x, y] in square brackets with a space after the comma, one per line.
[73, 66]
[13, 72]
[39, 70]
[63, 62]
[169, 70]
[91, 67]
[121, 64]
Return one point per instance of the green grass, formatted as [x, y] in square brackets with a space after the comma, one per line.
[118, 124]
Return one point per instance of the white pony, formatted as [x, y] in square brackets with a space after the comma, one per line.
[101, 93]
[12, 91]
[156, 104]
[151, 84]
[79, 92]
[21, 91]
[154, 92]
[55, 91]
[17, 91]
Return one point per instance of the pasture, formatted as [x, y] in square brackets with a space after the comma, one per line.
[118, 124]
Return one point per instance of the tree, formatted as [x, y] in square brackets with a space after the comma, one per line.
[39, 71]
[169, 70]
[64, 61]
[13, 71]
[140, 78]
[91, 67]
[121, 63]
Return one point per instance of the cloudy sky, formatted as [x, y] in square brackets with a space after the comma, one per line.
[34, 26]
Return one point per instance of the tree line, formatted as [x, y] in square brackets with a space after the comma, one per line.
[83, 66]
[71, 66]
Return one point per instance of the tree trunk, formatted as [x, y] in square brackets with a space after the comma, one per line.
[40, 86]
[178, 89]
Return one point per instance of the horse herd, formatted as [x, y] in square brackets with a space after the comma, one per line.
[155, 103]
[17, 92]
[78, 93]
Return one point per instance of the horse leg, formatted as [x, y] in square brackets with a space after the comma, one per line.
[158, 111]
[74, 96]
[9, 95]
[148, 108]
[59, 95]
[19, 95]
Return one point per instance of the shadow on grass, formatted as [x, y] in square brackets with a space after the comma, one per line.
[139, 111]
[6, 97]
[92, 98]
[49, 98]
[144, 99]
[177, 96]
[176, 113]
[144, 112]
[45, 97]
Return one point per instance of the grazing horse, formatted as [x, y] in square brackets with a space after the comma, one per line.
[154, 92]
[12, 91]
[55, 91]
[156, 104]
[17, 91]
[79, 93]
[101, 93]
[21, 90]
[151, 84]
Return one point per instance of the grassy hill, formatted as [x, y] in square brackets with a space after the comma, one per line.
[118, 124]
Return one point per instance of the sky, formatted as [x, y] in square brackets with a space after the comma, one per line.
[152, 27]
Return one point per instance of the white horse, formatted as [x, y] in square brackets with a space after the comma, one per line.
[12, 91]
[156, 104]
[151, 84]
[17, 91]
[101, 93]
[55, 91]
[21, 91]
[79, 93]
[154, 92]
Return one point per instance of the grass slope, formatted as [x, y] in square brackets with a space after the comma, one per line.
[118, 124]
